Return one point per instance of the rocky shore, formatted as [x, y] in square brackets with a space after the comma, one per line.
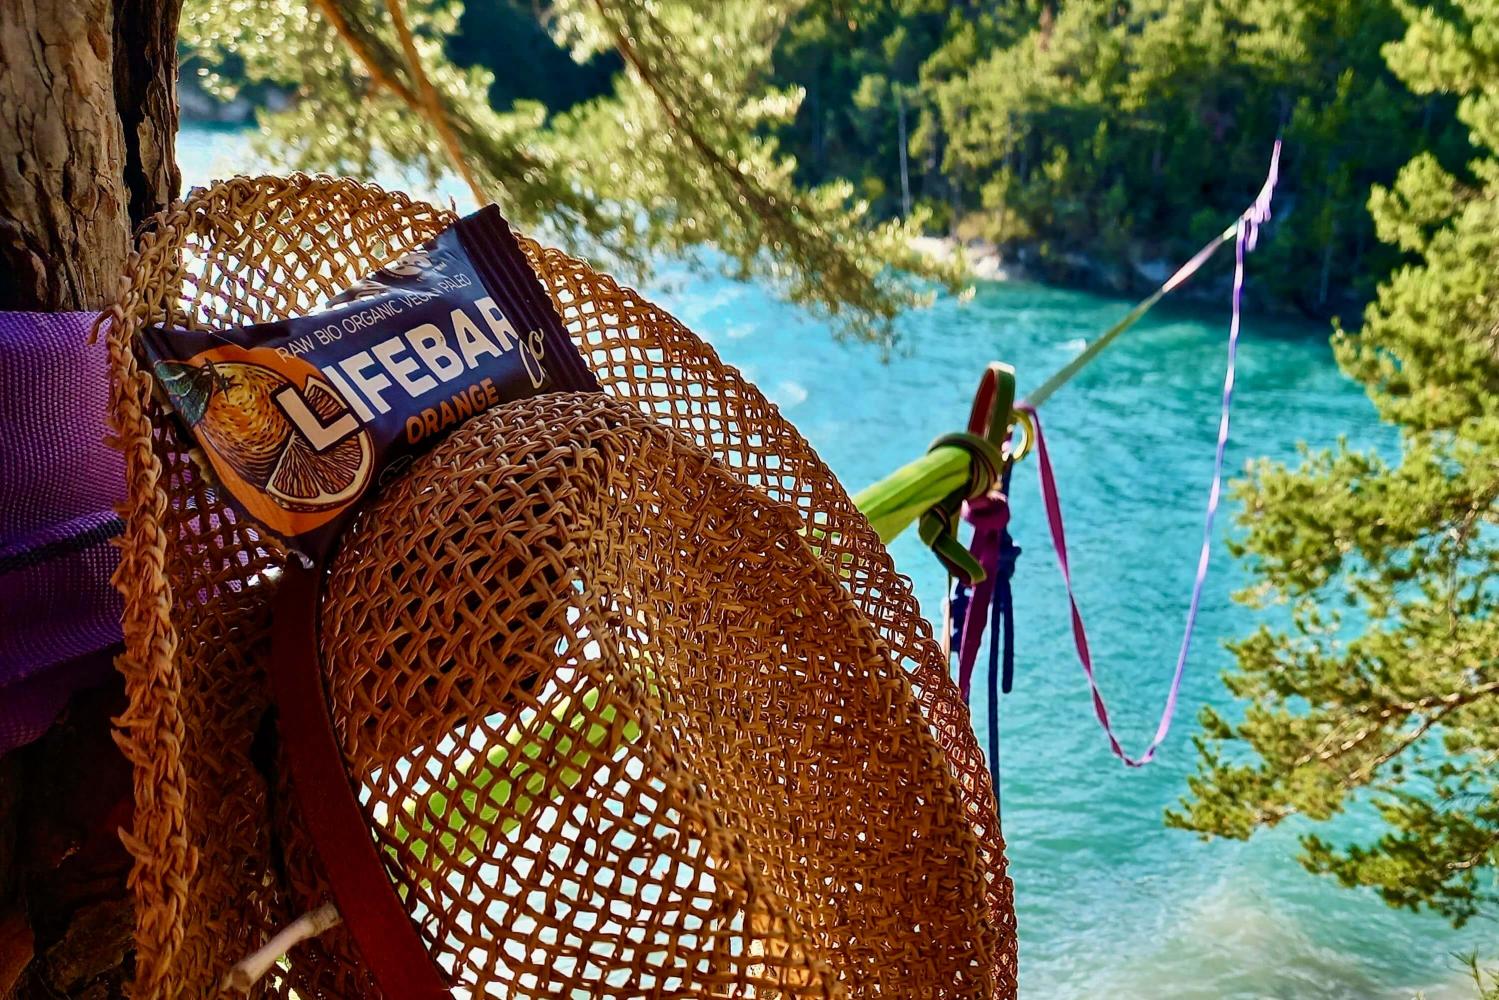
[1131, 278]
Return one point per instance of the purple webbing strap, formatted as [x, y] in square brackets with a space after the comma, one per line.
[989, 515]
[59, 484]
[1245, 240]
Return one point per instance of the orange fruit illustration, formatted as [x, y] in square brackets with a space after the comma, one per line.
[227, 395]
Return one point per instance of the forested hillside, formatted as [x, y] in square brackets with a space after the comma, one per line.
[1103, 135]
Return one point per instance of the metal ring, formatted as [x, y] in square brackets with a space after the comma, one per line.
[1014, 452]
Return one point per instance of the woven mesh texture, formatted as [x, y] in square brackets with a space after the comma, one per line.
[634, 699]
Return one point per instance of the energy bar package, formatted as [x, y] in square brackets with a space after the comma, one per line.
[297, 419]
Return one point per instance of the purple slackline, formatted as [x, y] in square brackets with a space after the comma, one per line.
[993, 550]
[1245, 240]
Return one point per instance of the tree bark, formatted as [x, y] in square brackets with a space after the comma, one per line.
[88, 120]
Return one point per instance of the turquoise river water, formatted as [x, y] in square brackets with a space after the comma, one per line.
[1111, 904]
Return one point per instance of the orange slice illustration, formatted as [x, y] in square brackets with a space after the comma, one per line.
[228, 396]
[305, 480]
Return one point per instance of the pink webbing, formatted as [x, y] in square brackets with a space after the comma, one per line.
[1246, 238]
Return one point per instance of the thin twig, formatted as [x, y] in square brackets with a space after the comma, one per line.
[432, 104]
[249, 971]
[757, 206]
[1439, 707]
[356, 44]
[1477, 858]
[383, 64]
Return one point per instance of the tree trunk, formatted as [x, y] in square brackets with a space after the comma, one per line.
[88, 120]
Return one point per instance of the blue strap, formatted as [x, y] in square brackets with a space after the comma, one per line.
[958, 612]
[1001, 639]
[1002, 622]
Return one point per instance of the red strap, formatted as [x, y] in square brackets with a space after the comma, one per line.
[388, 941]
[983, 402]
[1053, 505]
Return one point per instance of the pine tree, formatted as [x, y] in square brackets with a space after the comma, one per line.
[1129, 132]
[88, 123]
[1384, 687]
[678, 157]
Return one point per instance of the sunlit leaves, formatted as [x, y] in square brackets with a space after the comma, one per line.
[1385, 684]
[1131, 131]
[679, 157]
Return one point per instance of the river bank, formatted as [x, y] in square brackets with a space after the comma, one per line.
[987, 261]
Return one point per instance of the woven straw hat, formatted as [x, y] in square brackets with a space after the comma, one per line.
[631, 697]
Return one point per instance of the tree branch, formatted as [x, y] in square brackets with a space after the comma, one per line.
[1438, 705]
[251, 969]
[361, 50]
[431, 103]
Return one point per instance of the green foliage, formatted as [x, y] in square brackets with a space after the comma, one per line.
[1094, 135]
[1132, 131]
[1385, 686]
[1484, 981]
[1100, 135]
[862, 64]
[507, 38]
[680, 155]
